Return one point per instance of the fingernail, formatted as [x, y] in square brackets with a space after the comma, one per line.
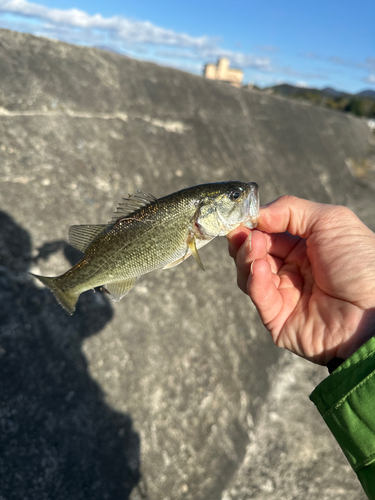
[251, 268]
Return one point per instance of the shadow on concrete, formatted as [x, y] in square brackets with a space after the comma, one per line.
[58, 438]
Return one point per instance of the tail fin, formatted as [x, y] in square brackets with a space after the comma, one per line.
[67, 299]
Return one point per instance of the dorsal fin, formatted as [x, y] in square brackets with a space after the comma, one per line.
[132, 203]
[81, 236]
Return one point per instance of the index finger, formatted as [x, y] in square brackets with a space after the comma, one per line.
[278, 245]
[292, 214]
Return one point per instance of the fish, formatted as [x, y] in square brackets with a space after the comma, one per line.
[147, 233]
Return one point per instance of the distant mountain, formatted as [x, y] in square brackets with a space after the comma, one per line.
[361, 104]
[109, 49]
[329, 91]
[290, 90]
[367, 94]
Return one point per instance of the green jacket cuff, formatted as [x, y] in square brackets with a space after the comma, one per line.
[346, 401]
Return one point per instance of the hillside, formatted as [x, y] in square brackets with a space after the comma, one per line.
[361, 104]
[177, 391]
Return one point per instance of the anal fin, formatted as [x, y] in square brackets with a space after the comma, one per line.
[177, 262]
[119, 289]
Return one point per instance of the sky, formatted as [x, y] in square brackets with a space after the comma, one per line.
[317, 44]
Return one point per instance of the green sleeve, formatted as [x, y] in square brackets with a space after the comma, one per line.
[346, 401]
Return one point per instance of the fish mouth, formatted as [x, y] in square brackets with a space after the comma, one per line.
[252, 204]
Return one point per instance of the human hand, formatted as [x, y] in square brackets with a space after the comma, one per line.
[309, 268]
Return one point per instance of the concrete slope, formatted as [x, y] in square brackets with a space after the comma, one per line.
[176, 391]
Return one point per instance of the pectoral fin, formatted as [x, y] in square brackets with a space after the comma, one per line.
[119, 289]
[194, 252]
[177, 262]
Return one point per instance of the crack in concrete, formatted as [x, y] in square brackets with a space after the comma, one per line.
[177, 127]
[68, 112]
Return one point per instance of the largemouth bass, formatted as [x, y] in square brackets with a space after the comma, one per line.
[147, 233]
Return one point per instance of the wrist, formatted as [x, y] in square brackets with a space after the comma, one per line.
[364, 331]
[346, 352]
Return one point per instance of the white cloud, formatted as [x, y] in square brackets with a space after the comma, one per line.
[237, 59]
[311, 55]
[125, 29]
[145, 40]
[301, 84]
[121, 35]
[269, 48]
[370, 79]
[370, 64]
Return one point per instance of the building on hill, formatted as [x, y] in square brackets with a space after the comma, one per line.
[249, 86]
[222, 72]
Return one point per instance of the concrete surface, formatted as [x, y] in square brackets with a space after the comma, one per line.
[177, 391]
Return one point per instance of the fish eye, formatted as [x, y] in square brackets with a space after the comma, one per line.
[235, 195]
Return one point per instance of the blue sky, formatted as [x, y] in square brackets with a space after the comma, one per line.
[307, 43]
